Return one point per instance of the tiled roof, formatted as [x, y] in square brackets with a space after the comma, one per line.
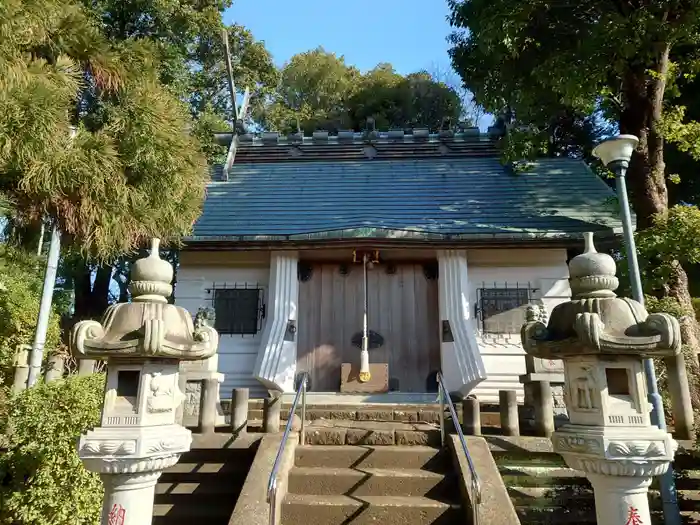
[448, 198]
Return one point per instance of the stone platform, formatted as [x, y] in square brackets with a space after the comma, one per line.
[382, 412]
[353, 432]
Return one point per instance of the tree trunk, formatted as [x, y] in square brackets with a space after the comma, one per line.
[643, 96]
[640, 117]
[83, 292]
[100, 290]
[92, 298]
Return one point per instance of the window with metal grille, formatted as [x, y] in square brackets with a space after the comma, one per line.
[502, 310]
[238, 310]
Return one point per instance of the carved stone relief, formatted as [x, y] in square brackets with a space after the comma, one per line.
[637, 448]
[112, 447]
[577, 444]
[193, 393]
[162, 393]
[584, 389]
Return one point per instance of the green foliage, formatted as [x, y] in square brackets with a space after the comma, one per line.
[42, 480]
[318, 90]
[312, 92]
[673, 237]
[521, 145]
[536, 57]
[132, 171]
[20, 295]
[206, 125]
[685, 135]
[252, 68]
[696, 307]
[667, 305]
[394, 101]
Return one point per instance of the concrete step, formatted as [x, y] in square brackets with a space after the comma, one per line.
[372, 482]
[300, 509]
[553, 477]
[556, 515]
[547, 515]
[366, 456]
[204, 485]
[210, 514]
[422, 412]
[214, 487]
[205, 472]
[688, 480]
[345, 432]
[552, 494]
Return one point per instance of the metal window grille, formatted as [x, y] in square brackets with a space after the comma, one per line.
[239, 309]
[501, 309]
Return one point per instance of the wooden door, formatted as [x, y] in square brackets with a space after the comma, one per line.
[403, 309]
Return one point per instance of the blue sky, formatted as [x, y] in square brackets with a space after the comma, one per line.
[405, 33]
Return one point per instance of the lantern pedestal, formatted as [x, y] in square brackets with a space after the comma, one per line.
[128, 498]
[621, 499]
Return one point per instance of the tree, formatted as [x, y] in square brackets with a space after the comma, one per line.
[180, 42]
[187, 38]
[472, 112]
[312, 93]
[131, 172]
[395, 101]
[318, 90]
[616, 59]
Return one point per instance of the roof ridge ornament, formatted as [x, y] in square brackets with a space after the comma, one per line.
[470, 135]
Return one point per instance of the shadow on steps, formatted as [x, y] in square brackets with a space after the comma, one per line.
[204, 485]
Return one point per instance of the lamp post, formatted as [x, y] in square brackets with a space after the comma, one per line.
[616, 153]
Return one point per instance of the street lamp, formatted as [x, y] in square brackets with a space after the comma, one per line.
[616, 153]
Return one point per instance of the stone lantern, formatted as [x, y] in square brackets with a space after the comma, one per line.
[603, 340]
[142, 343]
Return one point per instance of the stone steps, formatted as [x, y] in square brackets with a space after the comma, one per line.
[204, 485]
[425, 413]
[371, 481]
[545, 491]
[369, 484]
[367, 510]
[342, 432]
[368, 457]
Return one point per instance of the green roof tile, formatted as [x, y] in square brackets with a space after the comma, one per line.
[473, 198]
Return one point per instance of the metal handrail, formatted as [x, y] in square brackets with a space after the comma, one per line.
[475, 482]
[272, 482]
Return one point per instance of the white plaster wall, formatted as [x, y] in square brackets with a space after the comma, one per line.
[236, 353]
[546, 271]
